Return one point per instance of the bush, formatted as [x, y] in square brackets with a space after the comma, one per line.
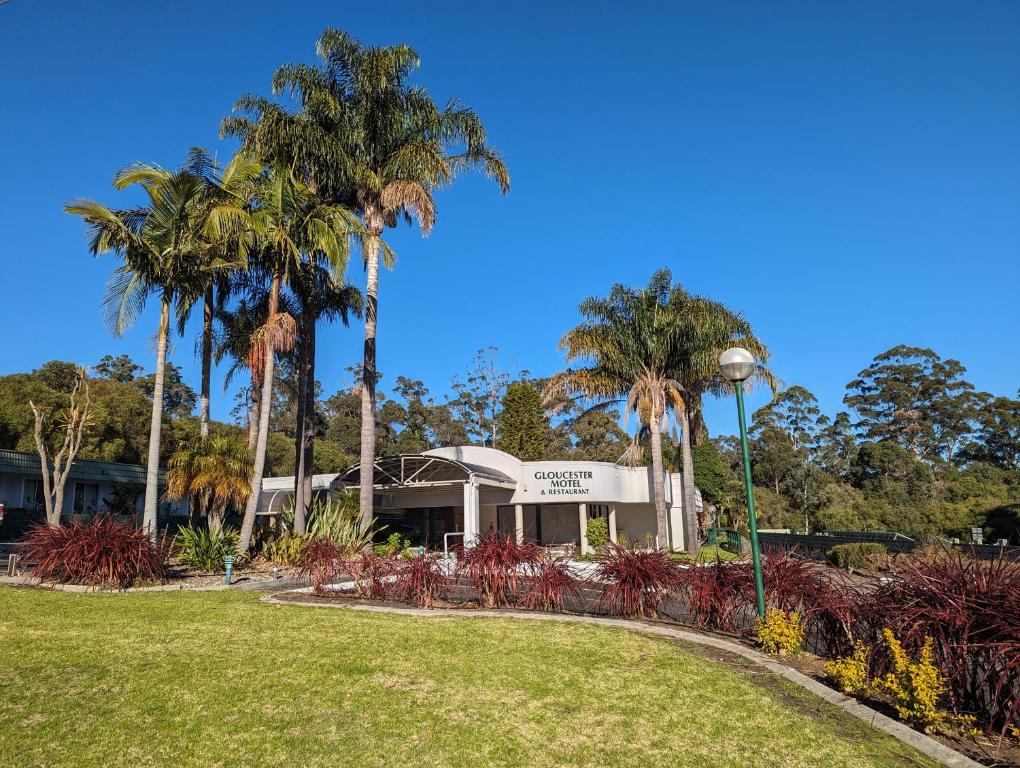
[598, 533]
[916, 686]
[286, 549]
[637, 580]
[322, 564]
[714, 597]
[970, 610]
[206, 549]
[551, 583]
[850, 673]
[780, 632]
[337, 519]
[493, 566]
[419, 580]
[96, 552]
[370, 572]
[395, 544]
[862, 555]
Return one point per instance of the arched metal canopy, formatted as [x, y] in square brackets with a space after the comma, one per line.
[417, 470]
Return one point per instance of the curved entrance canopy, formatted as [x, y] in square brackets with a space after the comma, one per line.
[419, 470]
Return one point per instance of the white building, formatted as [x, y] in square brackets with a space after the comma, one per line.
[465, 490]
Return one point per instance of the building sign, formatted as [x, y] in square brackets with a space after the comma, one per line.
[565, 483]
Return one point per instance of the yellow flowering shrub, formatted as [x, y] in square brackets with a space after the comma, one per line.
[850, 673]
[916, 688]
[780, 632]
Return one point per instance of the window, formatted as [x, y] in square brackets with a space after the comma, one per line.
[33, 498]
[86, 498]
[596, 511]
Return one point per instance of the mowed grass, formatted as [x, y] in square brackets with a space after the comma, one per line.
[222, 679]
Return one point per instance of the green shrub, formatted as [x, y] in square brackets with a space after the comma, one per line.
[204, 549]
[286, 549]
[863, 555]
[598, 533]
[395, 544]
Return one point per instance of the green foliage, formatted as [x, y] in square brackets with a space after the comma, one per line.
[205, 549]
[522, 424]
[336, 518]
[394, 545]
[863, 555]
[598, 533]
[710, 475]
[286, 549]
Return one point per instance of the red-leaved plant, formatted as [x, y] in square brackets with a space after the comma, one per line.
[495, 565]
[96, 552]
[636, 580]
[371, 573]
[971, 610]
[550, 584]
[323, 564]
[419, 580]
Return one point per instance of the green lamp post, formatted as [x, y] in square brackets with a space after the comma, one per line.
[737, 365]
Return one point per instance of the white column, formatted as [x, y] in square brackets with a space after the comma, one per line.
[471, 514]
[612, 523]
[582, 524]
[519, 522]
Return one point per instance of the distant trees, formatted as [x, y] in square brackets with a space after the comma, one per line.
[523, 427]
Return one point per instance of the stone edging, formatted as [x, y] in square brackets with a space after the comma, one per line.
[919, 741]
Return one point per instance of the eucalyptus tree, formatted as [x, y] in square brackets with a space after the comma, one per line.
[320, 295]
[160, 246]
[290, 222]
[367, 137]
[627, 346]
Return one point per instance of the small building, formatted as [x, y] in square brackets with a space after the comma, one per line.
[445, 493]
[92, 487]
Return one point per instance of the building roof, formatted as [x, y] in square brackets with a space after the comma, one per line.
[24, 463]
[418, 469]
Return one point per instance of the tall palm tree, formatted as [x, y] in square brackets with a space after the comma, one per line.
[707, 328]
[228, 240]
[628, 342]
[367, 138]
[320, 296]
[290, 222]
[160, 246]
[213, 473]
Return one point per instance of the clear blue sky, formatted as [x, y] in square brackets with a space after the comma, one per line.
[846, 175]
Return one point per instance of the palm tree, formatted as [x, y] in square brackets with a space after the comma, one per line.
[367, 138]
[707, 328]
[229, 238]
[319, 297]
[234, 340]
[629, 342]
[290, 222]
[213, 473]
[160, 246]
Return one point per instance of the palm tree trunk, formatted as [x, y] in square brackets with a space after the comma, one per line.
[310, 423]
[658, 484]
[299, 429]
[207, 333]
[156, 425]
[248, 523]
[692, 533]
[253, 416]
[368, 374]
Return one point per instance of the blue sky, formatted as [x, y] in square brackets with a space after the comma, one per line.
[846, 175]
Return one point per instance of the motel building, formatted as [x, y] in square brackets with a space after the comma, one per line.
[436, 497]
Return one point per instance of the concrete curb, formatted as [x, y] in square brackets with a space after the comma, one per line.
[919, 741]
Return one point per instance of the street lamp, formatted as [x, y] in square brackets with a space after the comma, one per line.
[737, 365]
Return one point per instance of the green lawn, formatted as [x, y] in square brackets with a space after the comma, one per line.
[221, 679]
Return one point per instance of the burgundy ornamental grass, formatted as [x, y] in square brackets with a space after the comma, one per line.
[99, 552]
[636, 580]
